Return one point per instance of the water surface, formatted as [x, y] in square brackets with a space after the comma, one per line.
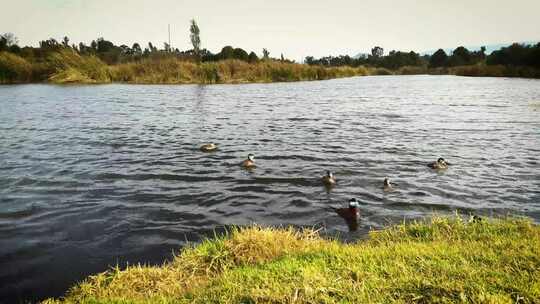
[92, 176]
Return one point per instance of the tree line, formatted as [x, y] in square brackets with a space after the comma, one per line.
[513, 55]
[110, 53]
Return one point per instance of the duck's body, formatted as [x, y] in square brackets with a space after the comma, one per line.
[249, 162]
[329, 179]
[387, 186]
[440, 164]
[208, 147]
[351, 214]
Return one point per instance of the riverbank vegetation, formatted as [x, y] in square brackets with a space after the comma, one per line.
[516, 60]
[102, 61]
[442, 260]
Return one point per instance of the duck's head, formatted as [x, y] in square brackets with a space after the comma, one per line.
[386, 182]
[329, 174]
[353, 203]
[251, 157]
[441, 160]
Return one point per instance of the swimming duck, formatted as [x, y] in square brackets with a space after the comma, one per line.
[249, 162]
[351, 215]
[329, 179]
[387, 186]
[439, 164]
[208, 147]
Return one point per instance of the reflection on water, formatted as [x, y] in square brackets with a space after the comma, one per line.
[92, 176]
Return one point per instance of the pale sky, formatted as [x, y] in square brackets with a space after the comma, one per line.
[296, 28]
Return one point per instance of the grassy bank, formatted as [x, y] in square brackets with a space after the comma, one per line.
[67, 66]
[170, 70]
[443, 260]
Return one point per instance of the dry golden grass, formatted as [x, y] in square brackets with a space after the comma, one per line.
[174, 71]
[14, 69]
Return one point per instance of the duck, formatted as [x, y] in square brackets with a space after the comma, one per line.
[439, 164]
[249, 162]
[329, 179]
[387, 186]
[351, 214]
[209, 147]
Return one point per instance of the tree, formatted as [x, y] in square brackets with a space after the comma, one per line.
[10, 39]
[266, 54]
[136, 49]
[195, 37]
[166, 47]
[240, 54]
[50, 44]
[438, 59]
[460, 56]
[377, 52]
[65, 41]
[516, 54]
[252, 58]
[125, 50]
[227, 52]
[93, 45]
[151, 47]
[483, 49]
[3, 43]
[82, 48]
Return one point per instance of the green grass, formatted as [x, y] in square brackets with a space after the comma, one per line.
[444, 260]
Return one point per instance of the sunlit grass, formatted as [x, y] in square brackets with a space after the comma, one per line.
[69, 67]
[171, 70]
[443, 260]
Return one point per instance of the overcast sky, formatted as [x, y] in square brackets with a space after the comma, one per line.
[296, 28]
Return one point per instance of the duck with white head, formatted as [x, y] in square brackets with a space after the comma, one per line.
[249, 162]
[350, 214]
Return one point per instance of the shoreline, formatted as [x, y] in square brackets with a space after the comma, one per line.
[245, 82]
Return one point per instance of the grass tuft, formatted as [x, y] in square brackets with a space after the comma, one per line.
[443, 260]
[69, 67]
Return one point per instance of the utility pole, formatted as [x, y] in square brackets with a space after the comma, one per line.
[170, 46]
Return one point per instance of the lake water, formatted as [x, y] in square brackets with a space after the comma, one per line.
[92, 176]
